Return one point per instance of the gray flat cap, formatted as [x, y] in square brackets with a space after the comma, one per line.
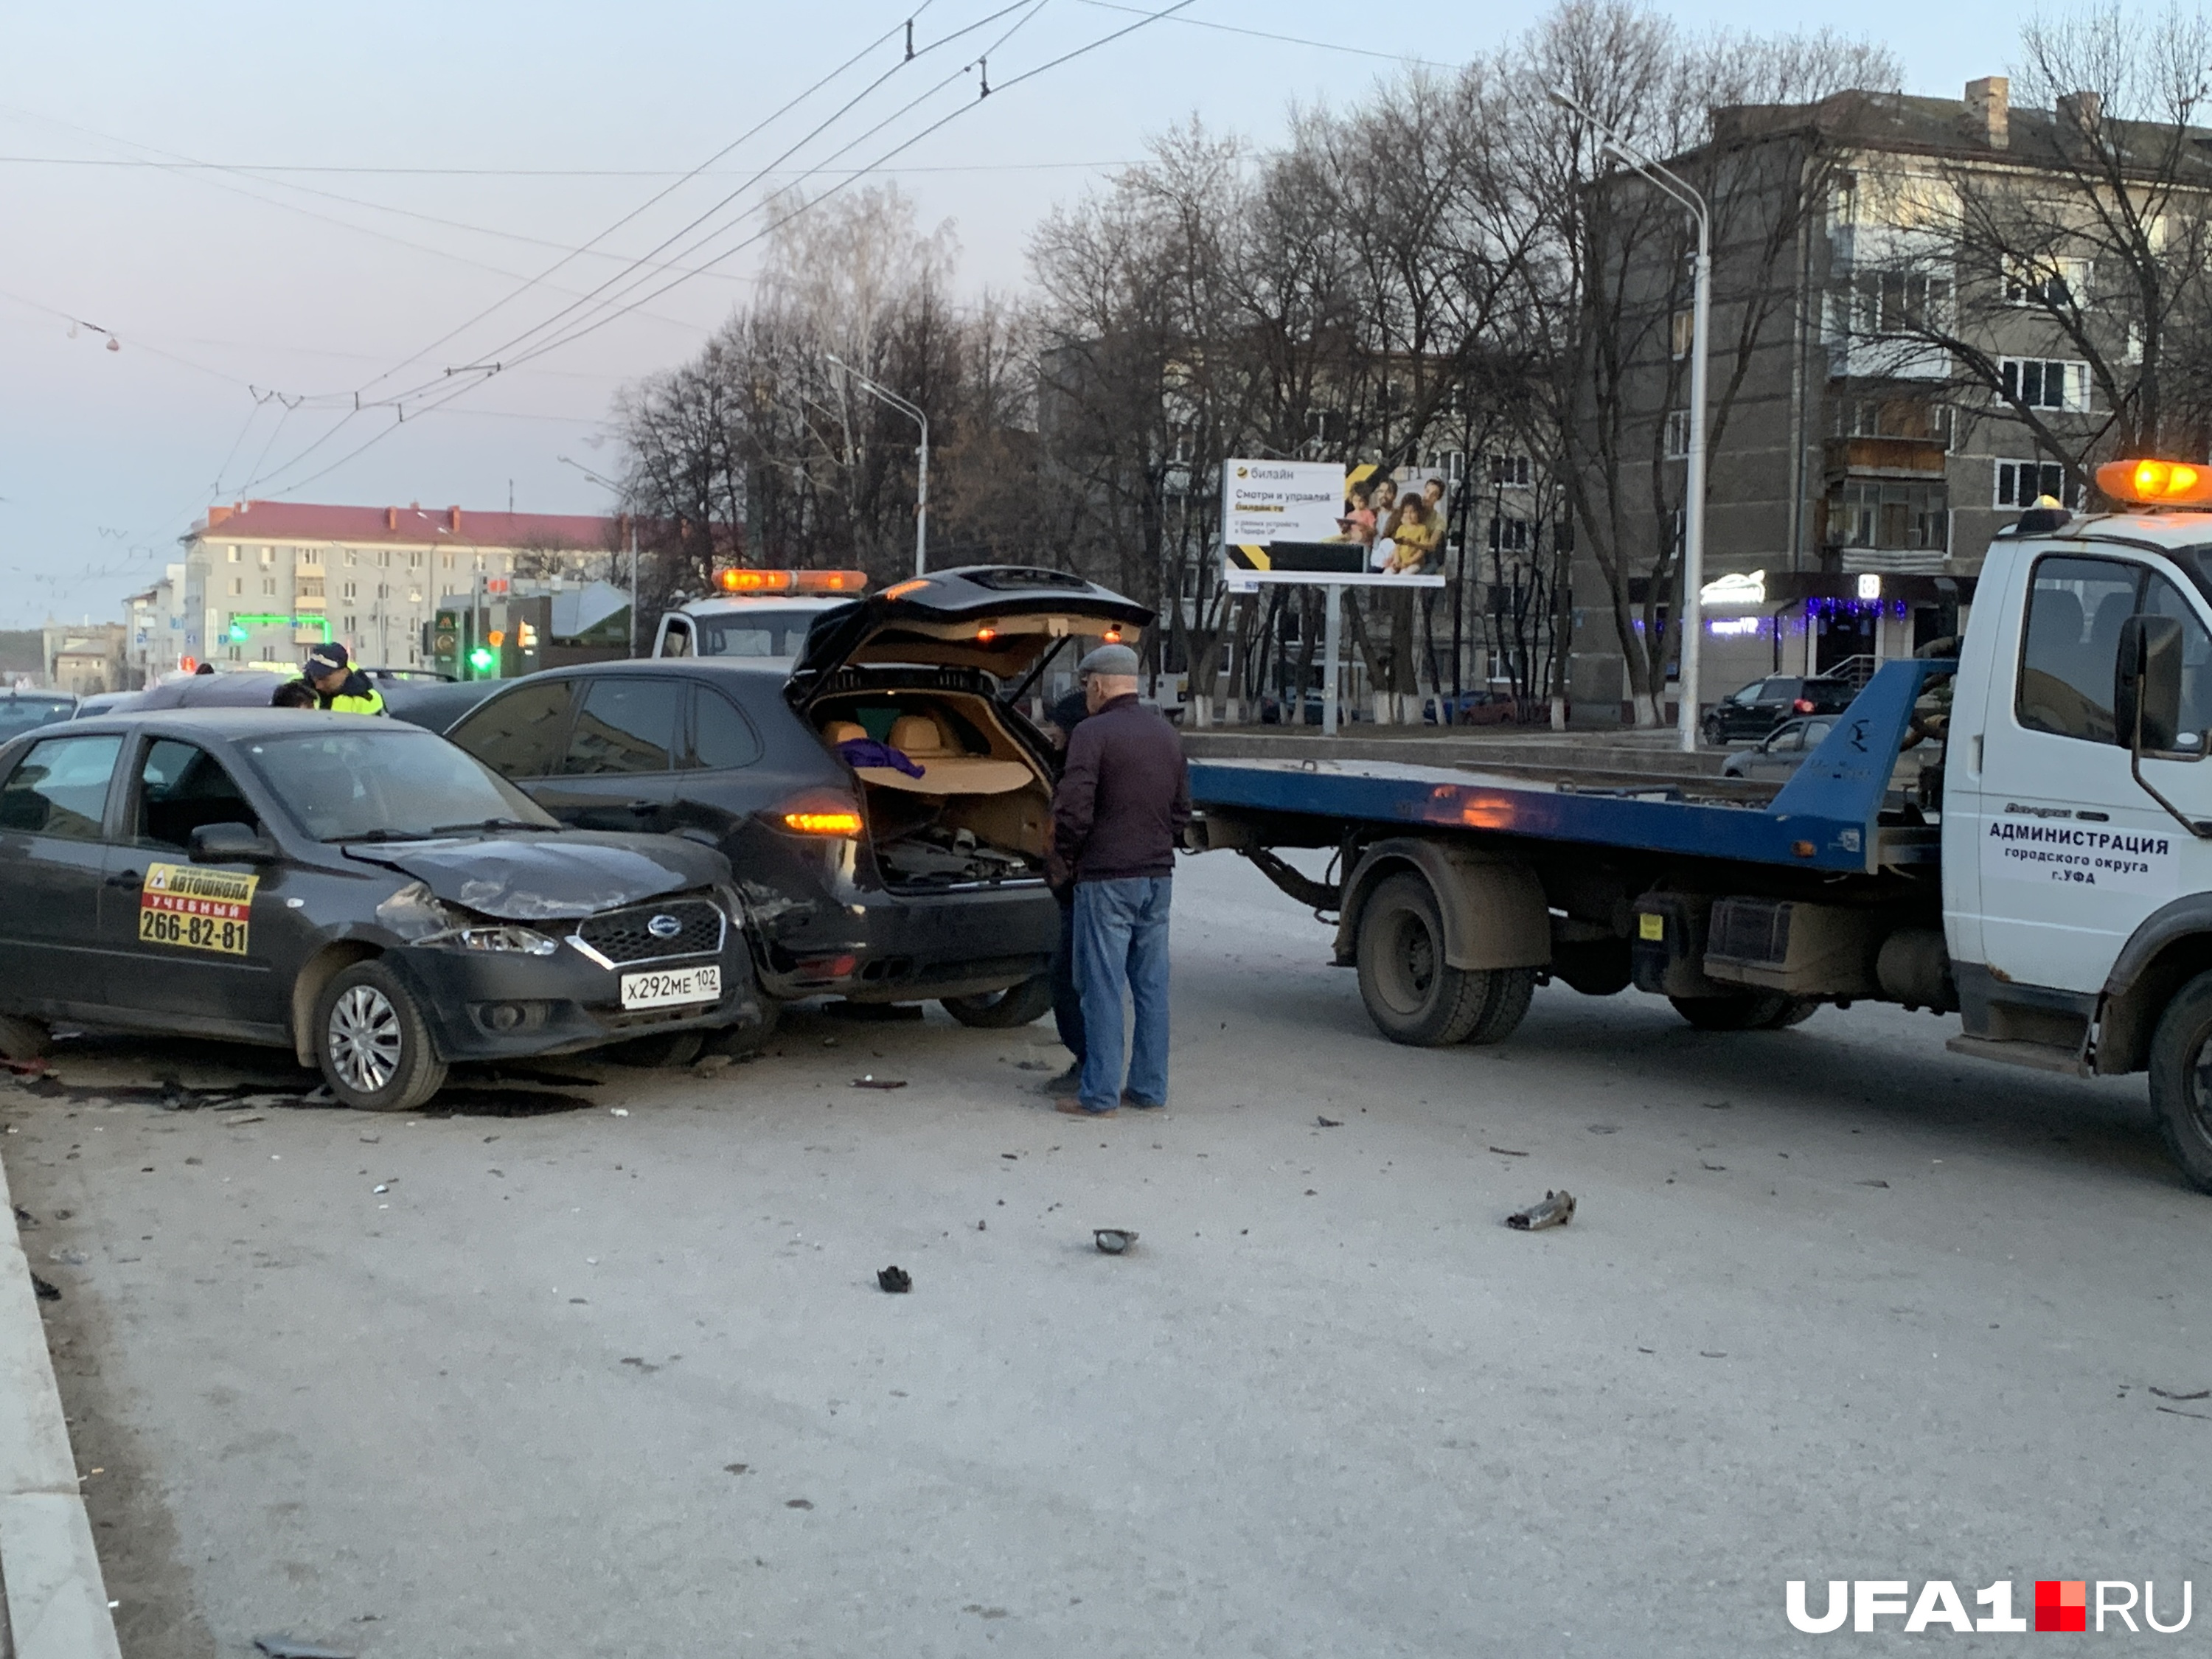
[1115, 660]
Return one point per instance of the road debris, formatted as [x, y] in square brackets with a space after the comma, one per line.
[78, 1258]
[712, 1064]
[289, 1647]
[797, 1503]
[735, 1468]
[1874, 1184]
[1605, 1129]
[619, 1111]
[47, 1292]
[2168, 1394]
[1507, 1152]
[872, 1081]
[895, 1279]
[1114, 1239]
[1328, 1123]
[1556, 1210]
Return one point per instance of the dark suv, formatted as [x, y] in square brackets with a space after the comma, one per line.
[885, 804]
[1759, 707]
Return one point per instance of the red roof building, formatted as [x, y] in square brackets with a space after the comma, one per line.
[264, 579]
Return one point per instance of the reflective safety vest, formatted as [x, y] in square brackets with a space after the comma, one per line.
[356, 696]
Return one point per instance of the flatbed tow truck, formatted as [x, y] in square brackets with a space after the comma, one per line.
[2047, 876]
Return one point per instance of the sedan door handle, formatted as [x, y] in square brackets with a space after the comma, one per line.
[126, 879]
[639, 805]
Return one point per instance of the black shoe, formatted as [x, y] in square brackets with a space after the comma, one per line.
[1065, 1084]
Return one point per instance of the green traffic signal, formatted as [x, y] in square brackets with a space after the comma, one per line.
[480, 659]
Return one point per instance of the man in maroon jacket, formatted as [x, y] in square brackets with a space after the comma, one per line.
[1117, 817]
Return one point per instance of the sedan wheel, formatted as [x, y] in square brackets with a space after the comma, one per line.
[375, 1046]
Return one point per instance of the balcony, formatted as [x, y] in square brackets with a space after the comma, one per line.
[1886, 457]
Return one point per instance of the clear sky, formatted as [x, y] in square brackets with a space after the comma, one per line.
[381, 174]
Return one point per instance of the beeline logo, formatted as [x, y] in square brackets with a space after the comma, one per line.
[2061, 1604]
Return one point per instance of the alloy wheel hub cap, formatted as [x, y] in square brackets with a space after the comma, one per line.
[364, 1038]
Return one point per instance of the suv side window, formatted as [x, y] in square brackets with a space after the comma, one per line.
[2071, 646]
[60, 787]
[625, 725]
[181, 787]
[519, 734]
[722, 739]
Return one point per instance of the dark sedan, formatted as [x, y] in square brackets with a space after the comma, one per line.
[26, 711]
[1756, 710]
[357, 891]
[884, 803]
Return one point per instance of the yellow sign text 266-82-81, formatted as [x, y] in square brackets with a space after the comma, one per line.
[200, 910]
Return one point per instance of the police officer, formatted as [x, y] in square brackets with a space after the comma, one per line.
[339, 686]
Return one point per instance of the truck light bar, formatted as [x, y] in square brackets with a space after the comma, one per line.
[732, 579]
[2156, 484]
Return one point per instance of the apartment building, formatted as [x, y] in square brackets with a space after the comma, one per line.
[154, 630]
[264, 580]
[1877, 431]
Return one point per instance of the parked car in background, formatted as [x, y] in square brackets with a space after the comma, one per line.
[103, 702]
[435, 704]
[1480, 709]
[867, 878]
[355, 889]
[244, 688]
[25, 711]
[1756, 710]
[1781, 752]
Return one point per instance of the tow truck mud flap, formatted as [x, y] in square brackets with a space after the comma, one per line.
[1494, 909]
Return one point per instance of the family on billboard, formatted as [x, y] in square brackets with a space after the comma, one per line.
[1315, 520]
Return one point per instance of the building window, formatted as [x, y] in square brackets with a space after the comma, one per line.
[383, 590]
[1891, 417]
[414, 561]
[311, 587]
[237, 585]
[383, 557]
[1678, 433]
[233, 552]
[349, 588]
[1901, 303]
[2020, 484]
[2046, 280]
[269, 586]
[2040, 383]
[1510, 470]
[352, 622]
[1509, 535]
[1874, 512]
[352, 558]
[449, 560]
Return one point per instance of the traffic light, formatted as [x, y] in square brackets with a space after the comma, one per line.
[480, 662]
[445, 643]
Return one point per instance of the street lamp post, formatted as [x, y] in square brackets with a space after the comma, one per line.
[611, 484]
[1692, 626]
[921, 466]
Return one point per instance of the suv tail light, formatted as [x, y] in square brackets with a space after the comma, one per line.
[1801, 706]
[818, 812]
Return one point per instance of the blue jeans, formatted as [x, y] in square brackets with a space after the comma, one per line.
[1067, 1000]
[1121, 940]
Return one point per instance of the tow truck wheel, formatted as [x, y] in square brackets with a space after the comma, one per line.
[1412, 993]
[998, 1011]
[2181, 1080]
[1511, 990]
[372, 1042]
[1754, 1010]
[21, 1039]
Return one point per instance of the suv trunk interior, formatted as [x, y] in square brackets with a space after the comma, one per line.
[980, 812]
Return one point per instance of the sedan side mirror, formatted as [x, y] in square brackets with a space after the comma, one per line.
[2147, 687]
[232, 843]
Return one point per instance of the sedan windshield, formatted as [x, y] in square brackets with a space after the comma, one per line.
[396, 785]
[20, 715]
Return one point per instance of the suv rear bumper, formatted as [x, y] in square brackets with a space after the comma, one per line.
[890, 947]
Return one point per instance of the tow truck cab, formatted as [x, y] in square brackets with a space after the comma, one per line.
[759, 614]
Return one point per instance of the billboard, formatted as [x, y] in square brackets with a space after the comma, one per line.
[1319, 521]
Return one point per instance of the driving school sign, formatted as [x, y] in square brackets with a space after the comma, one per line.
[199, 910]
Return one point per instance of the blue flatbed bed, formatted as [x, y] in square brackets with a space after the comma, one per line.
[1825, 818]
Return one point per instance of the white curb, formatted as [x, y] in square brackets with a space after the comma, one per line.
[57, 1603]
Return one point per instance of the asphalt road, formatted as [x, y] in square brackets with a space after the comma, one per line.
[616, 1378]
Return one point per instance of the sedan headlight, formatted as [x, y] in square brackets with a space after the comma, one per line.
[501, 937]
